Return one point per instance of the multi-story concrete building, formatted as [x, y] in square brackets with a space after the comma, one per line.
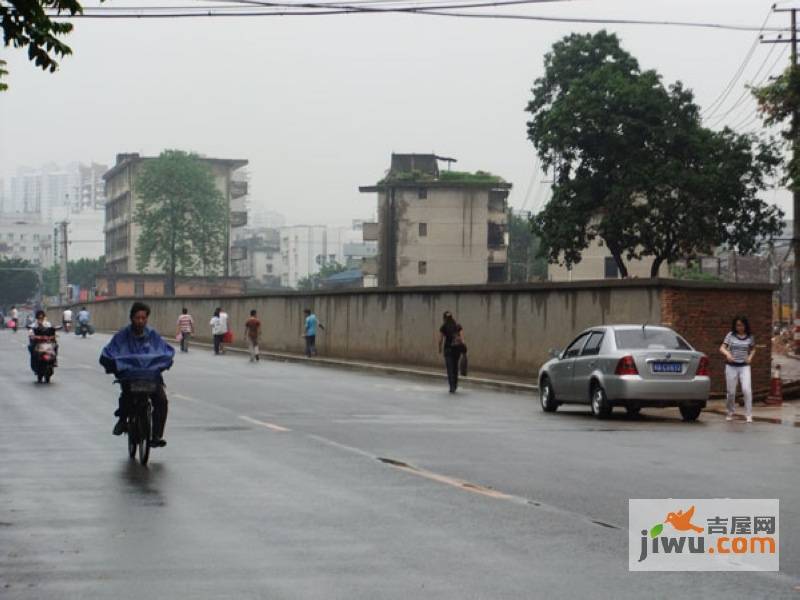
[122, 233]
[27, 239]
[438, 228]
[257, 257]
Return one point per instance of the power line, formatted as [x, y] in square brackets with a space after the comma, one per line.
[728, 88]
[746, 92]
[322, 9]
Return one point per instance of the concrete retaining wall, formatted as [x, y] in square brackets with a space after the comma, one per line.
[509, 328]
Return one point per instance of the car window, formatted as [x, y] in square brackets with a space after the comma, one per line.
[649, 339]
[575, 347]
[592, 347]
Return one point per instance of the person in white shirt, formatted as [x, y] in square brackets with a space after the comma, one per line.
[217, 332]
[66, 319]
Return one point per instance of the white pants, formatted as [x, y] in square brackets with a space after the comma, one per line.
[253, 347]
[742, 375]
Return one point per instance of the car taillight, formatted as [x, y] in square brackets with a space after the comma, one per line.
[702, 367]
[626, 366]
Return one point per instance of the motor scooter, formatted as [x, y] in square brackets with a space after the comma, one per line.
[43, 353]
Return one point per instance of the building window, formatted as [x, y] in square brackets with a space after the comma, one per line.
[422, 267]
[138, 288]
[497, 274]
[423, 230]
[611, 269]
[496, 237]
[269, 268]
[422, 193]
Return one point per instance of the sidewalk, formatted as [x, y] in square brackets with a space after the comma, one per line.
[788, 414]
[476, 378]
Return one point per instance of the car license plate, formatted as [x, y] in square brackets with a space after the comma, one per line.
[667, 367]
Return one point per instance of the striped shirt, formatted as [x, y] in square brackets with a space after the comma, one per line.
[186, 323]
[739, 348]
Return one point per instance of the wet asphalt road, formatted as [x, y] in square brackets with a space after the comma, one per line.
[271, 487]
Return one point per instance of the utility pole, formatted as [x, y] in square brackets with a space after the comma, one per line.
[62, 275]
[793, 129]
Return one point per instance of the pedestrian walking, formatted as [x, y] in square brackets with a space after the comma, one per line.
[252, 331]
[451, 346]
[185, 329]
[739, 348]
[311, 324]
[216, 332]
[227, 334]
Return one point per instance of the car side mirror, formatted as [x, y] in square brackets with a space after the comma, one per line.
[554, 353]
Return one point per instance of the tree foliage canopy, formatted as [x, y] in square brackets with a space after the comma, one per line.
[182, 215]
[18, 281]
[634, 165]
[26, 24]
[80, 272]
[778, 102]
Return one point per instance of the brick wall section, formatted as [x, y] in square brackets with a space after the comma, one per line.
[703, 317]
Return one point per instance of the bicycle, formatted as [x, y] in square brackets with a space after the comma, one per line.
[140, 418]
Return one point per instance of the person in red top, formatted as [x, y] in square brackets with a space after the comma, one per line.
[252, 331]
[185, 328]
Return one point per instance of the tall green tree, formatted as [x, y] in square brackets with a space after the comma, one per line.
[27, 24]
[635, 169]
[182, 215]
[18, 281]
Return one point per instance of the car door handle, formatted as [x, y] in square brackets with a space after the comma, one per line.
[593, 363]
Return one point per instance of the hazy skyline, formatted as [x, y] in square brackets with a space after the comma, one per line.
[317, 104]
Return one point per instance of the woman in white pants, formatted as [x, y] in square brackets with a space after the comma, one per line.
[738, 349]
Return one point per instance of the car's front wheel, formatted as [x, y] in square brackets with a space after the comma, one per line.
[690, 413]
[546, 396]
[601, 407]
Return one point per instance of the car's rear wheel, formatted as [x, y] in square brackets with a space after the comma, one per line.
[546, 396]
[601, 407]
[690, 413]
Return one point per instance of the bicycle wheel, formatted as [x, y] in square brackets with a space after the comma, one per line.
[145, 432]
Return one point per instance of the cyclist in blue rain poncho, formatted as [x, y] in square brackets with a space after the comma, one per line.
[138, 352]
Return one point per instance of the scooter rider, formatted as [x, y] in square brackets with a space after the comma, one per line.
[137, 339]
[83, 322]
[39, 328]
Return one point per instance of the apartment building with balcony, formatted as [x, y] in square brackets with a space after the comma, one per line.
[122, 233]
[438, 227]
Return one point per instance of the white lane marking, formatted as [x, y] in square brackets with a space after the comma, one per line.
[263, 423]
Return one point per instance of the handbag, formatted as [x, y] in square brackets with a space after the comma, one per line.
[463, 365]
[179, 337]
[228, 337]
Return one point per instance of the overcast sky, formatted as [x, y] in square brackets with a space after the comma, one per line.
[317, 104]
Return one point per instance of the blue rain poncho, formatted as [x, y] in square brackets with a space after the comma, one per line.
[137, 357]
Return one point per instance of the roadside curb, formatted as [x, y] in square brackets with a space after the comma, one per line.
[757, 418]
[483, 382]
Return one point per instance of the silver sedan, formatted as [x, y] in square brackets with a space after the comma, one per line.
[627, 365]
